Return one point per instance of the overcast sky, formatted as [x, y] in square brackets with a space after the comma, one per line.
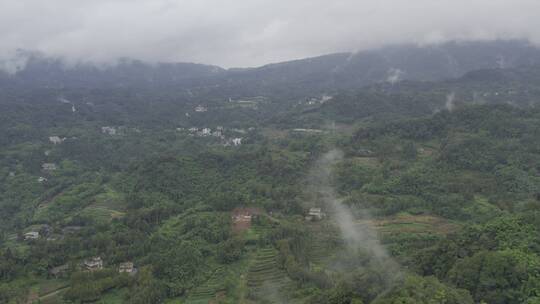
[250, 32]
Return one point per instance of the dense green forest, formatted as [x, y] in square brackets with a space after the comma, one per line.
[207, 198]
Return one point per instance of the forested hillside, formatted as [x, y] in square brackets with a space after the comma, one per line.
[407, 192]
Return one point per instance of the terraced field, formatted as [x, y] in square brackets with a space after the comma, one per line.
[206, 292]
[253, 234]
[265, 278]
[407, 223]
[107, 205]
[324, 238]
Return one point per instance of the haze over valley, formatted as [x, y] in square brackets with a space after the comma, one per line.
[270, 152]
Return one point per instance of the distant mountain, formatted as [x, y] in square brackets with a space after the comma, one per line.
[40, 71]
[293, 78]
[390, 64]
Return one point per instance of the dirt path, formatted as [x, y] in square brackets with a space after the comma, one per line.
[54, 293]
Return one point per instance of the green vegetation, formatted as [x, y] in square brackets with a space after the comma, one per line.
[453, 197]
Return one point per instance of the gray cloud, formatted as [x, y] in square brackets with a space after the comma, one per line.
[250, 32]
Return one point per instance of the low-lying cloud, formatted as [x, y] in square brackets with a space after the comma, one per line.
[250, 32]
[357, 237]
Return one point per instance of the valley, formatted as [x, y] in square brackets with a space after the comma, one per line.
[279, 184]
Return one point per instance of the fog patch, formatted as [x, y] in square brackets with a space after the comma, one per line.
[271, 292]
[13, 64]
[360, 238]
[450, 104]
[394, 76]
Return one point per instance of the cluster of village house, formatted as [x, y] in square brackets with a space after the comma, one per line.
[48, 167]
[91, 264]
[242, 217]
[315, 100]
[45, 231]
[56, 140]
[94, 264]
[107, 130]
[217, 132]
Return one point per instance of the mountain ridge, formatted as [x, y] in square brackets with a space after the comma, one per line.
[326, 72]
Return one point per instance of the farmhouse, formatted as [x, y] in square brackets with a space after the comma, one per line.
[108, 130]
[315, 214]
[32, 235]
[55, 140]
[237, 141]
[127, 267]
[93, 264]
[200, 108]
[216, 133]
[48, 166]
[206, 132]
[241, 217]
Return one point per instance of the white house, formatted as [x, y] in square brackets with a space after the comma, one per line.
[206, 132]
[32, 235]
[93, 264]
[127, 267]
[108, 130]
[237, 141]
[56, 140]
[48, 166]
[315, 214]
[200, 108]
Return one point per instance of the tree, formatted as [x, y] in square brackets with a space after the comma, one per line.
[146, 289]
[498, 277]
[178, 266]
[230, 250]
[424, 290]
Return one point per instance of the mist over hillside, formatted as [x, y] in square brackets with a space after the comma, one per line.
[325, 73]
[401, 174]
